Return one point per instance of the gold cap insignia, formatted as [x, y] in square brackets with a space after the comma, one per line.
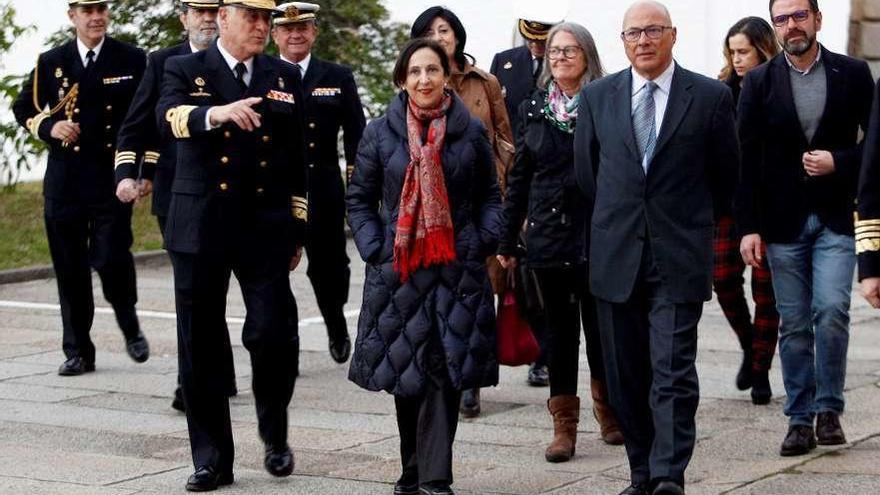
[291, 13]
[199, 82]
[58, 72]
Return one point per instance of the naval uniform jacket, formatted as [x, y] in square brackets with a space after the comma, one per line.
[868, 221]
[331, 103]
[515, 71]
[139, 138]
[81, 171]
[233, 186]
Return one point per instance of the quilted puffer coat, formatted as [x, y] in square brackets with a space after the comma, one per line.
[452, 301]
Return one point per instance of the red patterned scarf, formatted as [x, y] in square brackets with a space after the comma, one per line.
[424, 225]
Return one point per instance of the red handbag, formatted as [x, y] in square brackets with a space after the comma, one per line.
[516, 342]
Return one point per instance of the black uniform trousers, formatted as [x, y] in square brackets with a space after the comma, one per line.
[201, 281]
[224, 350]
[328, 268]
[650, 347]
[567, 307]
[427, 424]
[84, 235]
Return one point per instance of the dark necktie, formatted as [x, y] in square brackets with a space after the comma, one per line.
[90, 60]
[539, 66]
[240, 71]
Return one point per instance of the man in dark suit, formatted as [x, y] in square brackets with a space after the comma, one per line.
[868, 221]
[237, 206]
[655, 145]
[331, 103]
[799, 120]
[517, 69]
[75, 100]
[140, 140]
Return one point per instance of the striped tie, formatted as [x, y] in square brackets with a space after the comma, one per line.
[643, 123]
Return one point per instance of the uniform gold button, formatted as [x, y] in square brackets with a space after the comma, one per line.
[265, 139]
[311, 165]
[108, 127]
[109, 145]
[311, 145]
[311, 125]
[264, 164]
[224, 186]
[227, 134]
[76, 149]
[224, 160]
[260, 190]
[76, 110]
[109, 107]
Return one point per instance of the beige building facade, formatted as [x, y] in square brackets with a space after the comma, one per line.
[864, 39]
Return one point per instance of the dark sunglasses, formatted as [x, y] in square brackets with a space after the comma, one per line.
[799, 16]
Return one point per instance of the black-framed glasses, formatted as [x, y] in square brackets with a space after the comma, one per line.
[799, 16]
[652, 32]
[555, 53]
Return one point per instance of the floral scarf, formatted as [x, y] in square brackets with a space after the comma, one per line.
[561, 111]
[425, 234]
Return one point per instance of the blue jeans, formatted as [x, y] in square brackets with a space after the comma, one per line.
[813, 278]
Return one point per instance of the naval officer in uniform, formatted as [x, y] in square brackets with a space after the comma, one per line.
[75, 100]
[331, 103]
[868, 220]
[140, 142]
[238, 205]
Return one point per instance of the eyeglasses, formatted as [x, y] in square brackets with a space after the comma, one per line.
[799, 16]
[652, 32]
[555, 53]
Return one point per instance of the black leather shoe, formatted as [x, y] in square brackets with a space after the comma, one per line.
[435, 489]
[470, 403]
[75, 366]
[340, 349]
[279, 461]
[744, 375]
[761, 392]
[799, 440]
[828, 429]
[403, 488]
[177, 402]
[207, 479]
[667, 487]
[138, 348]
[539, 376]
[636, 489]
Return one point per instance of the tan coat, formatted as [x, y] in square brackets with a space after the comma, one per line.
[481, 94]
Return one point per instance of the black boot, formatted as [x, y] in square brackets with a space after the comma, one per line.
[744, 375]
[470, 403]
[761, 393]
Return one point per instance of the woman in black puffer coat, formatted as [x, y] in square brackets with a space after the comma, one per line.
[428, 337]
[541, 190]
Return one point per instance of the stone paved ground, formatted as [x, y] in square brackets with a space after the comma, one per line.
[113, 433]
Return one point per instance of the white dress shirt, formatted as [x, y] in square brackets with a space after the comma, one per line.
[84, 50]
[661, 96]
[231, 62]
[303, 64]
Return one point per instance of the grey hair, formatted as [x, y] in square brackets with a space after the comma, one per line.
[588, 47]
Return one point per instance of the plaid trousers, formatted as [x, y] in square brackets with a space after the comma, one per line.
[763, 333]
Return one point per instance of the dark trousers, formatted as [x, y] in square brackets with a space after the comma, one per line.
[761, 335]
[328, 269]
[83, 236]
[567, 307]
[650, 348]
[225, 351]
[427, 426]
[201, 281]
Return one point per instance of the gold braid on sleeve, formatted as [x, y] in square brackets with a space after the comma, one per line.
[178, 118]
[867, 235]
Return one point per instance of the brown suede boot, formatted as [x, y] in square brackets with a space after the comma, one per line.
[604, 415]
[565, 410]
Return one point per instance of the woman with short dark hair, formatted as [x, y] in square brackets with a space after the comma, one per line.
[542, 191]
[424, 208]
[749, 43]
[481, 94]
